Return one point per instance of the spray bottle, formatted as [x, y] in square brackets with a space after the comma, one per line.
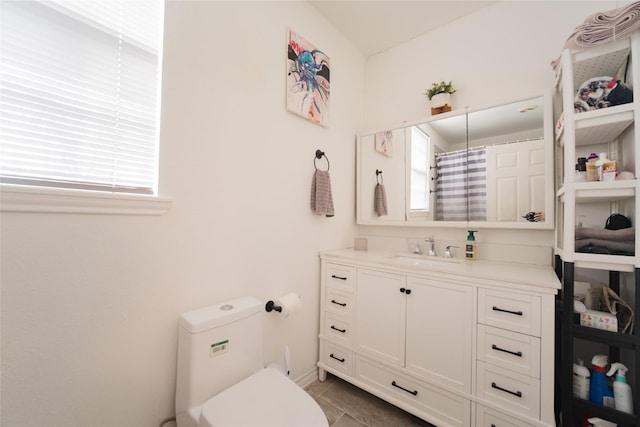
[471, 252]
[621, 390]
[599, 391]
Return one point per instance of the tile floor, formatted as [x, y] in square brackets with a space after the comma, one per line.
[346, 405]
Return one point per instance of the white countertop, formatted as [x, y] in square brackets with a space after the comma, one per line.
[514, 275]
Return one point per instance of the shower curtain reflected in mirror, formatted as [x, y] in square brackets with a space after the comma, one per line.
[461, 185]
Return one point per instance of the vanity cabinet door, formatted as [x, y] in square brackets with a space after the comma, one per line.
[380, 315]
[439, 332]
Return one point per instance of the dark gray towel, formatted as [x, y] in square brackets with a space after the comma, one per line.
[321, 198]
[380, 200]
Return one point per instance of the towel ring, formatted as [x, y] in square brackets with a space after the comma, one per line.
[379, 178]
[319, 155]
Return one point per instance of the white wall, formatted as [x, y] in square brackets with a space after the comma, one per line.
[90, 302]
[499, 54]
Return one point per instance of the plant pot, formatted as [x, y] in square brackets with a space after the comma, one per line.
[440, 100]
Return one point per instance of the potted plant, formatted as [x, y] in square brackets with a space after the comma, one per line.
[440, 94]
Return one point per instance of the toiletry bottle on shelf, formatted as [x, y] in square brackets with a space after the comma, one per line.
[592, 172]
[602, 159]
[581, 380]
[599, 391]
[471, 253]
[621, 390]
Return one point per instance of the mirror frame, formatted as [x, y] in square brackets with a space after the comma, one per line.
[549, 195]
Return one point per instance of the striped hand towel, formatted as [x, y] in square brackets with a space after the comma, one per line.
[321, 198]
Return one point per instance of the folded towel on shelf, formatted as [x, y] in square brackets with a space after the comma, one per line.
[603, 246]
[621, 235]
[321, 198]
[380, 200]
[603, 27]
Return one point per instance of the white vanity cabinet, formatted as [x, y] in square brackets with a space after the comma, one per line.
[461, 347]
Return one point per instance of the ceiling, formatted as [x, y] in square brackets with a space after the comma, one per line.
[377, 25]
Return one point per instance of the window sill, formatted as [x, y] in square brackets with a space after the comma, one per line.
[16, 198]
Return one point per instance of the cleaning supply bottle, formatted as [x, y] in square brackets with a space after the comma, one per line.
[581, 380]
[471, 252]
[599, 391]
[621, 390]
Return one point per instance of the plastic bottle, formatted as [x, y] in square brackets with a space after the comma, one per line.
[471, 253]
[602, 159]
[599, 392]
[581, 380]
[621, 390]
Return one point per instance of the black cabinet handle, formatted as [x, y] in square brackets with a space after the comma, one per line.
[402, 290]
[515, 353]
[339, 330]
[338, 277]
[405, 291]
[338, 359]
[517, 313]
[414, 392]
[343, 304]
[515, 393]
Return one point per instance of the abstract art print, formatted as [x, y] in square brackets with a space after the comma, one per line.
[308, 86]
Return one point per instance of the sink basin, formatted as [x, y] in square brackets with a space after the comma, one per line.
[430, 262]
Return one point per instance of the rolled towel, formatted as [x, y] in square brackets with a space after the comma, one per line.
[321, 198]
[380, 200]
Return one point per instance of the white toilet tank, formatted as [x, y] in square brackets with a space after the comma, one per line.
[218, 346]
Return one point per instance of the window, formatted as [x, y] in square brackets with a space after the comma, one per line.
[420, 177]
[79, 94]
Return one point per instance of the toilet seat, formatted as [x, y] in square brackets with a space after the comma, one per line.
[266, 398]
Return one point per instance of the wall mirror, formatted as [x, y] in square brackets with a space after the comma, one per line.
[488, 167]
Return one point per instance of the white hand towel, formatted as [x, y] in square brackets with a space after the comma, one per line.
[321, 198]
[380, 200]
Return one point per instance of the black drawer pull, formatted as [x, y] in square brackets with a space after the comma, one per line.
[339, 330]
[333, 276]
[338, 359]
[515, 393]
[517, 313]
[515, 353]
[414, 392]
[342, 304]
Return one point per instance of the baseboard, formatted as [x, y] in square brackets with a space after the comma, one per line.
[307, 378]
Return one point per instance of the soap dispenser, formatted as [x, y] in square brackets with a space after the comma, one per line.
[471, 252]
[621, 390]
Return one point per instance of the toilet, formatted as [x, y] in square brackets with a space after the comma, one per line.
[221, 378]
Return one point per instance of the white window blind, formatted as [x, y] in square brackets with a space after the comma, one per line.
[79, 93]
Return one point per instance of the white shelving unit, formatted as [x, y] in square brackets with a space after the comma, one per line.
[615, 130]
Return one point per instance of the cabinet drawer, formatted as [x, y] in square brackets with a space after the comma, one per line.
[509, 350]
[338, 329]
[337, 357]
[338, 302]
[487, 417]
[339, 277]
[514, 312]
[509, 389]
[444, 408]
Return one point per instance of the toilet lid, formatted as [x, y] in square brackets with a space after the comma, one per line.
[267, 398]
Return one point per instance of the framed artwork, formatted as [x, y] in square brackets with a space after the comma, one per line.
[384, 143]
[308, 82]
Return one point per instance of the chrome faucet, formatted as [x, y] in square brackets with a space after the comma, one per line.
[447, 252]
[432, 251]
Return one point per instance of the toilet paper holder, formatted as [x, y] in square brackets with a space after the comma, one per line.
[271, 306]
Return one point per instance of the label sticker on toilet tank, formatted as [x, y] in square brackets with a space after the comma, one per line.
[219, 348]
